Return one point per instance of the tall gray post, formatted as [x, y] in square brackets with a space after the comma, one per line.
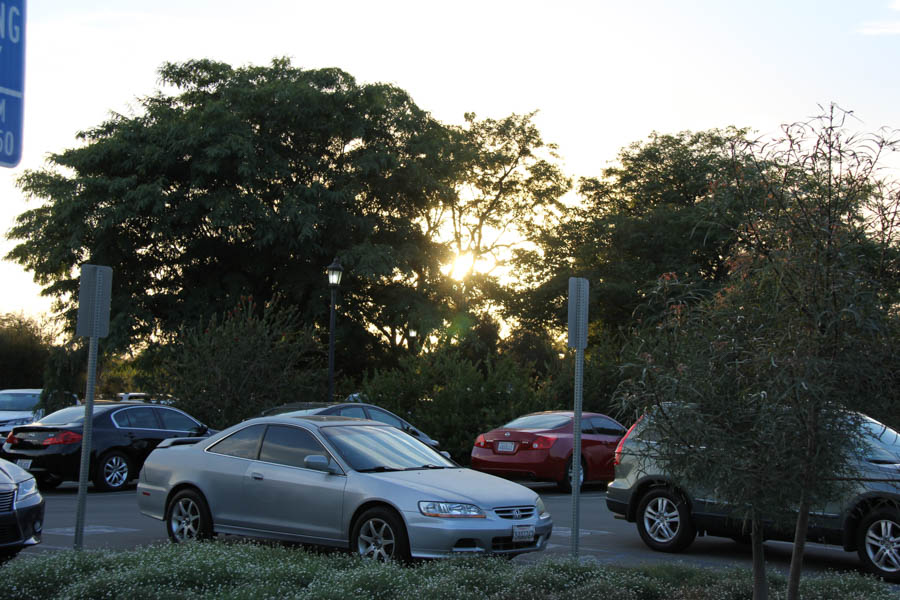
[578, 305]
[94, 292]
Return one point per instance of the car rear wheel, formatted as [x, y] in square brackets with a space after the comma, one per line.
[188, 518]
[664, 521]
[379, 534]
[113, 471]
[566, 484]
[878, 543]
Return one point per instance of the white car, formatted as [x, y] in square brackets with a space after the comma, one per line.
[17, 408]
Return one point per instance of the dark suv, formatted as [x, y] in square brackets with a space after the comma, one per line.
[669, 516]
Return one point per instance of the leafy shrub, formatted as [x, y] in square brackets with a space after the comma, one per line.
[245, 361]
[453, 399]
[232, 571]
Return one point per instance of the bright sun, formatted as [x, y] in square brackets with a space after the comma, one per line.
[461, 266]
[465, 263]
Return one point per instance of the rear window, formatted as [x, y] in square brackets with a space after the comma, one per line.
[539, 421]
[72, 414]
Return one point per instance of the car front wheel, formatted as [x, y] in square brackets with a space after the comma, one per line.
[664, 521]
[878, 543]
[379, 534]
[188, 518]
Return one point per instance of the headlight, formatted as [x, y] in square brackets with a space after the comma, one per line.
[26, 488]
[15, 422]
[450, 510]
[541, 509]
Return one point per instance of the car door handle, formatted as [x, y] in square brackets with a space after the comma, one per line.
[257, 476]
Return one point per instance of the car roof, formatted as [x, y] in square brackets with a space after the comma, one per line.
[316, 420]
[22, 391]
[566, 413]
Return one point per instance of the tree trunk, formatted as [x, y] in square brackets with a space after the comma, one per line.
[760, 584]
[793, 591]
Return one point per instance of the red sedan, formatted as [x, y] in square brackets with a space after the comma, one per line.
[539, 446]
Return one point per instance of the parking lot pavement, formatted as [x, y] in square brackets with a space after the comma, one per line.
[113, 521]
[608, 540]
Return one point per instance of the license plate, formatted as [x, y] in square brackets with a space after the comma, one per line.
[506, 446]
[523, 533]
[25, 463]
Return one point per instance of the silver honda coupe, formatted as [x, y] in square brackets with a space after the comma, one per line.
[337, 481]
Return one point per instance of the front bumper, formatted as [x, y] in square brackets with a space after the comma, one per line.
[431, 537]
[22, 526]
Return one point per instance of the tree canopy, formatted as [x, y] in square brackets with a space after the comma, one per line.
[244, 181]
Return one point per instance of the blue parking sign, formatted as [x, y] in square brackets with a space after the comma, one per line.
[12, 80]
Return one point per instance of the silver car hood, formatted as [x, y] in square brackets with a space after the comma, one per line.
[459, 485]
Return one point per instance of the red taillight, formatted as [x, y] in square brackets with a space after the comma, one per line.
[543, 442]
[480, 441]
[63, 437]
[618, 456]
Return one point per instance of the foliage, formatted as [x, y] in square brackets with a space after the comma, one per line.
[452, 398]
[508, 182]
[245, 181]
[249, 359]
[64, 374]
[778, 361]
[241, 571]
[24, 350]
[663, 208]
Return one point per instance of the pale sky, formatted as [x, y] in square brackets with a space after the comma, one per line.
[602, 73]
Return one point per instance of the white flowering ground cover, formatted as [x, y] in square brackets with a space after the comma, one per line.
[249, 571]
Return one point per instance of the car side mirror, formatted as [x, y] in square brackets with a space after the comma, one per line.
[445, 454]
[199, 430]
[317, 462]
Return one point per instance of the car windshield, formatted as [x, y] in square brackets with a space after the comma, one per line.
[373, 448]
[538, 421]
[19, 400]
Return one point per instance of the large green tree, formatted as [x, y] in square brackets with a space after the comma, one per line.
[247, 181]
[661, 209]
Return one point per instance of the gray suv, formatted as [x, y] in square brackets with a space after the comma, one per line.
[669, 516]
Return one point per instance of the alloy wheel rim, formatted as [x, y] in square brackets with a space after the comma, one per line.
[376, 540]
[185, 521]
[661, 520]
[883, 545]
[115, 471]
[580, 473]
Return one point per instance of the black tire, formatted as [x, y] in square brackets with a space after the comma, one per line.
[6, 555]
[112, 472]
[878, 543]
[664, 521]
[565, 485]
[379, 534]
[188, 518]
[48, 482]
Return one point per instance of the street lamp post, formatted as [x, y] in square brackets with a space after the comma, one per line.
[334, 270]
[412, 339]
